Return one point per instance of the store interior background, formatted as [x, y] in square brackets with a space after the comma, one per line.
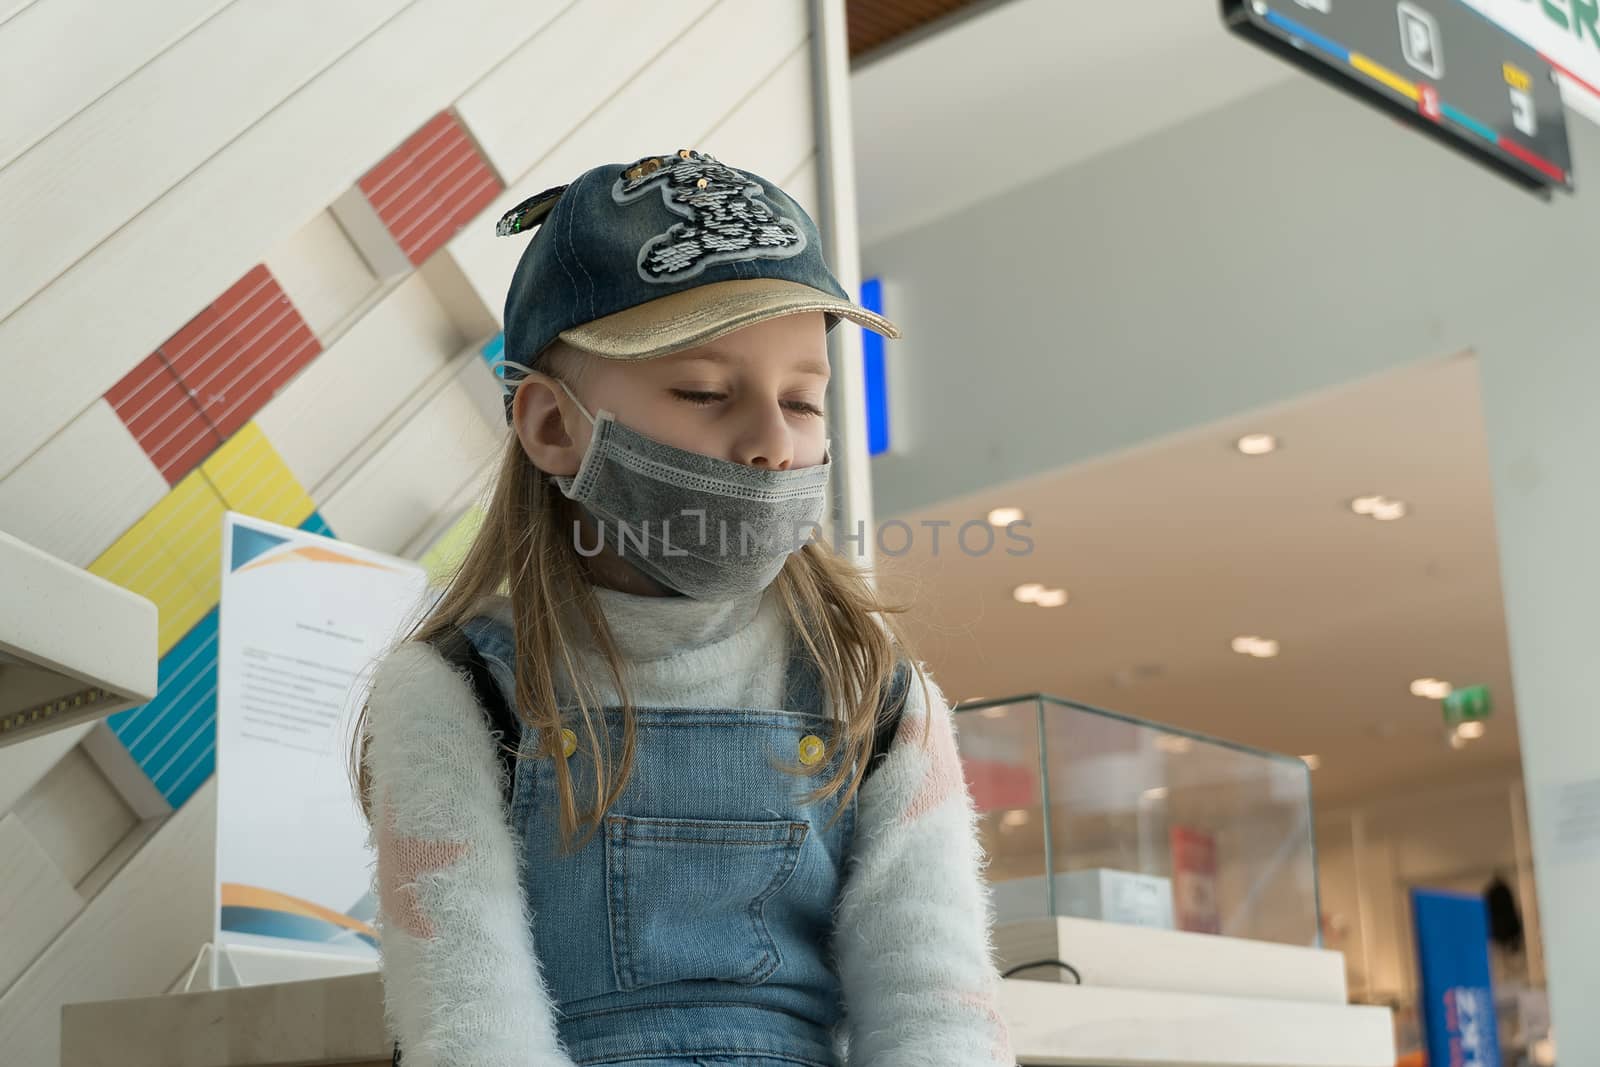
[1093, 320]
[1116, 242]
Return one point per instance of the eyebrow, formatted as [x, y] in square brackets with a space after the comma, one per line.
[817, 367]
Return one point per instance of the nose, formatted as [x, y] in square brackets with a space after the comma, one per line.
[765, 442]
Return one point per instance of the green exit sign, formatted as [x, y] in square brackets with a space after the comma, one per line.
[1467, 705]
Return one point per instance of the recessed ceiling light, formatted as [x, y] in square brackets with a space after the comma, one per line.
[1034, 593]
[1432, 688]
[1259, 647]
[1457, 741]
[995, 713]
[1015, 817]
[1005, 516]
[1470, 731]
[1174, 744]
[1381, 508]
[1051, 598]
[1256, 444]
[1312, 762]
[1158, 793]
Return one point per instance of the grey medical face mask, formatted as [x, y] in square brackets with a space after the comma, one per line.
[705, 527]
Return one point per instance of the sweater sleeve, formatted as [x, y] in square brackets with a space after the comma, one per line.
[912, 927]
[461, 982]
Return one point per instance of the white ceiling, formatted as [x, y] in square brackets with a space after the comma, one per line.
[1029, 87]
[1171, 551]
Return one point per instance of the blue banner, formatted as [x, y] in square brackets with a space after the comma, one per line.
[1457, 994]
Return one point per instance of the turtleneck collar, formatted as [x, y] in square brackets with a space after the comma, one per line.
[648, 628]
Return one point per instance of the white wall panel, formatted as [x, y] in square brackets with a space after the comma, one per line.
[130, 940]
[150, 276]
[802, 185]
[696, 82]
[36, 899]
[349, 391]
[75, 815]
[100, 169]
[773, 130]
[10, 8]
[414, 476]
[57, 58]
[21, 766]
[545, 89]
[82, 490]
[322, 274]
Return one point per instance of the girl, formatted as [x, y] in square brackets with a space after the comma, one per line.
[587, 771]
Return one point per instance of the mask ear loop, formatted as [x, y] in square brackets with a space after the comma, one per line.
[510, 384]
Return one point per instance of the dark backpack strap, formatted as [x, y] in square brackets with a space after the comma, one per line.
[458, 650]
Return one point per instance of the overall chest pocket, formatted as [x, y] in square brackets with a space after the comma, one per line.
[686, 896]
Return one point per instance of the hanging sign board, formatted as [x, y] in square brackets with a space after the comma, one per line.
[1438, 65]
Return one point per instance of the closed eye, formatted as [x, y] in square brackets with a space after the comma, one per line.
[699, 396]
[803, 407]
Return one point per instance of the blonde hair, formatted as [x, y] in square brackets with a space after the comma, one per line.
[831, 605]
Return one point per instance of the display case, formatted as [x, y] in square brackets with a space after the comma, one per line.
[1090, 814]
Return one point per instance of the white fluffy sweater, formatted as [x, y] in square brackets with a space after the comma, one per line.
[462, 986]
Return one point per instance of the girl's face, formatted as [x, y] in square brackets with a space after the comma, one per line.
[754, 396]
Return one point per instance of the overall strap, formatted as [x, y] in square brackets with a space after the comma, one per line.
[889, 716]
[804, 690]
[458, 650]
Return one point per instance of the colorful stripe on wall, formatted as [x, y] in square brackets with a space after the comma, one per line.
[189, 405]
[163, 418]
[173, 738]
[237, 353]
[431, 186]
[173, 556]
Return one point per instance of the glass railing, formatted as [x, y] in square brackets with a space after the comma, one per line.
[1096, 815]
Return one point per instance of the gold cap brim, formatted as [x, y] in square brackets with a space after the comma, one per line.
[696, 316]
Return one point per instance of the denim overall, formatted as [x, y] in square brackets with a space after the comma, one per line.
[692, 930]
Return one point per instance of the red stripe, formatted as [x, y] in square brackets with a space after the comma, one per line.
[414, 180]
[166, 422]
[444, 203]
[1533, 159]
[402, 157]
[429, 241]
[208, 375]
[431, 190]
[192, 351]
[1586, 84]
[213, 329]
[260, 384]
[258, 374]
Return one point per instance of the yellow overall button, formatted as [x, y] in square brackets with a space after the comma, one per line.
[811, 749]
[569, 742]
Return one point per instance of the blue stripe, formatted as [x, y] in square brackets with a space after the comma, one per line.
[192, 677]
[183, 737]
[1461, 118]
[493, 347]
[201, 769]
[875, 371]
[1310, 36]
[316, 524]
[201, 739]
[180, 670]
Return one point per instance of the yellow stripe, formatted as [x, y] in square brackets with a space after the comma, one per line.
[1379, 73]
[172, 556]
[254, 480]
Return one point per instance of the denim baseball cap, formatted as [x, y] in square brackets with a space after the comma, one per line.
[644, 259]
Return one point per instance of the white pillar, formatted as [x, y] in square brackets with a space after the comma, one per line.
[1542, 406]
